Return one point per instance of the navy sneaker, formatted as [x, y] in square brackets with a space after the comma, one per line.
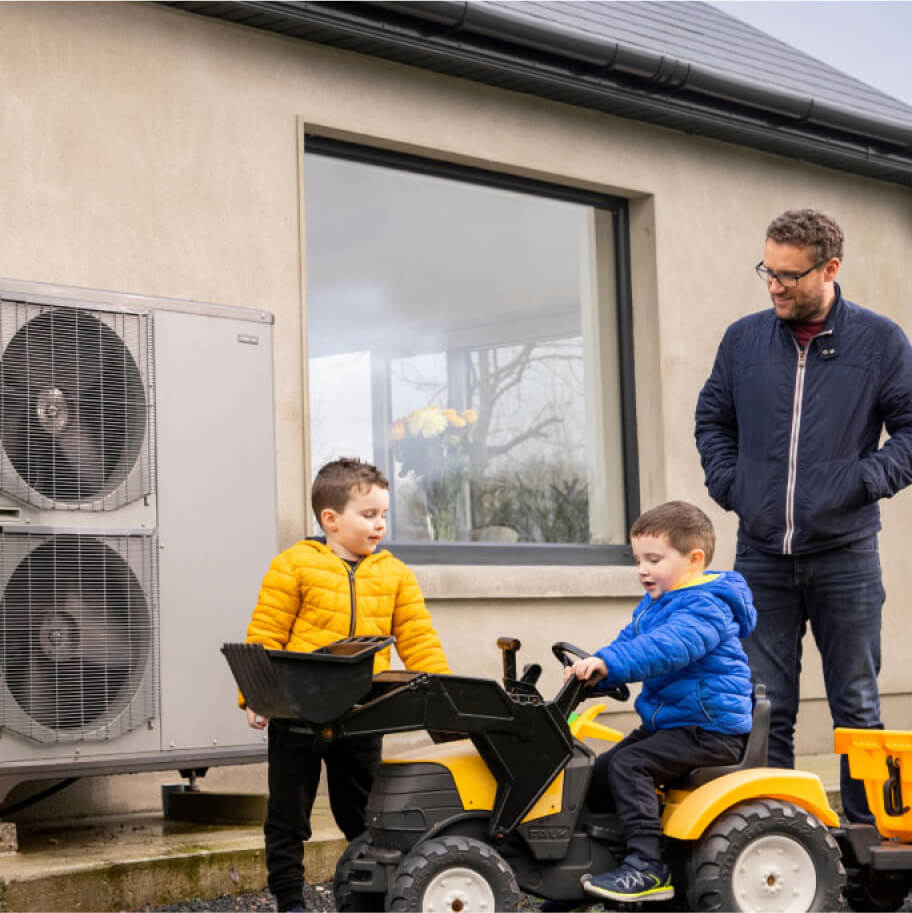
[635, 880]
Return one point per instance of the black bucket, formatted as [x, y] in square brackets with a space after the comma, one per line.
[316, 687]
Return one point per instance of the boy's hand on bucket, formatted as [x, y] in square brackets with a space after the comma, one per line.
[591, 670]
[255, 720]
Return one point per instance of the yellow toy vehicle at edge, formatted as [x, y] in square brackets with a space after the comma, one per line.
[879, 859]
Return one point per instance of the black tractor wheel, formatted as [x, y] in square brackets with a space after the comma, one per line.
[765, 855]
[453, 875]
[348, 898]
[879, 892]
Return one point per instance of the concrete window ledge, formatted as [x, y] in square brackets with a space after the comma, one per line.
[524, 582]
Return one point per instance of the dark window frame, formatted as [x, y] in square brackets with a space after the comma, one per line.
[529, 553]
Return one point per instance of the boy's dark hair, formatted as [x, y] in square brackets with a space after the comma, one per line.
[335, 482]
[684, 525]
[808, 228]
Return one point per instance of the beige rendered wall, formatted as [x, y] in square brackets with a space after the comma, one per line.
[148, 150]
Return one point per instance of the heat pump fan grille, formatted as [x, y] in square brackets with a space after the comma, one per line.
[74, 407]
[78, 635]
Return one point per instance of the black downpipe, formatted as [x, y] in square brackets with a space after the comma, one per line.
[32, 800]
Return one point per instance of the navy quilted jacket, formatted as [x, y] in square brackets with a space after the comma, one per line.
[789, 440]
[685, 647]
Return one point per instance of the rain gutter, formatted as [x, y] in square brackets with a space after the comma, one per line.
[494, 45]
[657, 69]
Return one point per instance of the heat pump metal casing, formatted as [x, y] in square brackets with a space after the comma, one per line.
[156, 568]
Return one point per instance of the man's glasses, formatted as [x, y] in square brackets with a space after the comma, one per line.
[786, 280]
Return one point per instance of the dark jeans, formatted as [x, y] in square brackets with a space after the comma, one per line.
[294, 774]
[841, 594]
[625, 777]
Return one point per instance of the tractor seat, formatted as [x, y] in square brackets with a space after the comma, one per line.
[755, 750]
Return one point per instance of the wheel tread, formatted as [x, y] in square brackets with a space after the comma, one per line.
[709, 889]
[421, 864]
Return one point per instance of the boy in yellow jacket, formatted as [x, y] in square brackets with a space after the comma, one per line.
[315, 593]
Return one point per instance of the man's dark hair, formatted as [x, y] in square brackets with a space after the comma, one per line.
[335, 482]
[808, 228]
[684, 525]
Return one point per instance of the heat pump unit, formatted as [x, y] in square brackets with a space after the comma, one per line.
[137, 517]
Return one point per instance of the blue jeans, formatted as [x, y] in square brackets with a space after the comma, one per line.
[840, 592]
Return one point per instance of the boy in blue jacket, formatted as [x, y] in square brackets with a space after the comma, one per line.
[684, 644]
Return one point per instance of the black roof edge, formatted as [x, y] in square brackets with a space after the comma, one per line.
[496, 46]
[504, 24]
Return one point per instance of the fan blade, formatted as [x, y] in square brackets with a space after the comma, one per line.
[40, 690]
[77, 446]
[74, 369]
[104, 636]
[62, 349]
[14, 427]
[36, 463]
[28, 360]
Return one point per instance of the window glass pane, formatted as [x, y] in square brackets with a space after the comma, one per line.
[529, 463]
[463, 338]
[340, 407]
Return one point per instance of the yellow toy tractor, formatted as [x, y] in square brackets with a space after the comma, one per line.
[879, 859]
[497, 805]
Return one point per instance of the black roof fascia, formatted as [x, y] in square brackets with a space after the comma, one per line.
[497, 47]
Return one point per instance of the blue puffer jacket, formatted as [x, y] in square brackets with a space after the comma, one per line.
[790, 440]
[685, 647]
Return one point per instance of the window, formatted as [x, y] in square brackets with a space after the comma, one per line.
[469, 333]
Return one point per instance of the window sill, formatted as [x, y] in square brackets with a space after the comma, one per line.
[447, 581]
[503, 554]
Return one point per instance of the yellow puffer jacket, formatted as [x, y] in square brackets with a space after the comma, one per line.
[310, 597]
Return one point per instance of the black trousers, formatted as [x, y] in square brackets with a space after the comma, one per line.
[294, 775]
[625, 777]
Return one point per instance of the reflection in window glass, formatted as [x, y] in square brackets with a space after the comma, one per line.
[340, 407]
[447, 344]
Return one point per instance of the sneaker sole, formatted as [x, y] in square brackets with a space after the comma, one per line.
[663, 893]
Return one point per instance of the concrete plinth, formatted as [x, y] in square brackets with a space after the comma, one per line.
[9, 839]
[180, 804]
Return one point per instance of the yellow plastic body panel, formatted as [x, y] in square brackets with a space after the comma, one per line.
[474, 782]
[868, 751]
[688, 813]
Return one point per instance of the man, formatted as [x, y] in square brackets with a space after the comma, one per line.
[788, 427]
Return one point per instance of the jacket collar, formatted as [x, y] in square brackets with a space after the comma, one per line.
[832, 317]
[835, 311]
[319, 542]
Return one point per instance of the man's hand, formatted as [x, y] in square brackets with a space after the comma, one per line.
[254, 720]
[591, 670]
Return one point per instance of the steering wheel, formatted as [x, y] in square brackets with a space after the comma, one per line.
[567, 654]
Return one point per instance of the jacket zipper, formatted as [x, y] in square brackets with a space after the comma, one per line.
[800, 372]
[351, 591]
[639, 618]
[655, 713]
[636, 630]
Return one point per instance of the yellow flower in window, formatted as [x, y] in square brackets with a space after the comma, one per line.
[435, 445]
[454, 418]
[427, 422]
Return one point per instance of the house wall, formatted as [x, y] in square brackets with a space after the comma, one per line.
[148, 150]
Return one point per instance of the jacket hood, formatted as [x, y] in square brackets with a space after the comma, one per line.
[732, 588]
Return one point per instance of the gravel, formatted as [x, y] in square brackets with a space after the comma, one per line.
[316, 896]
